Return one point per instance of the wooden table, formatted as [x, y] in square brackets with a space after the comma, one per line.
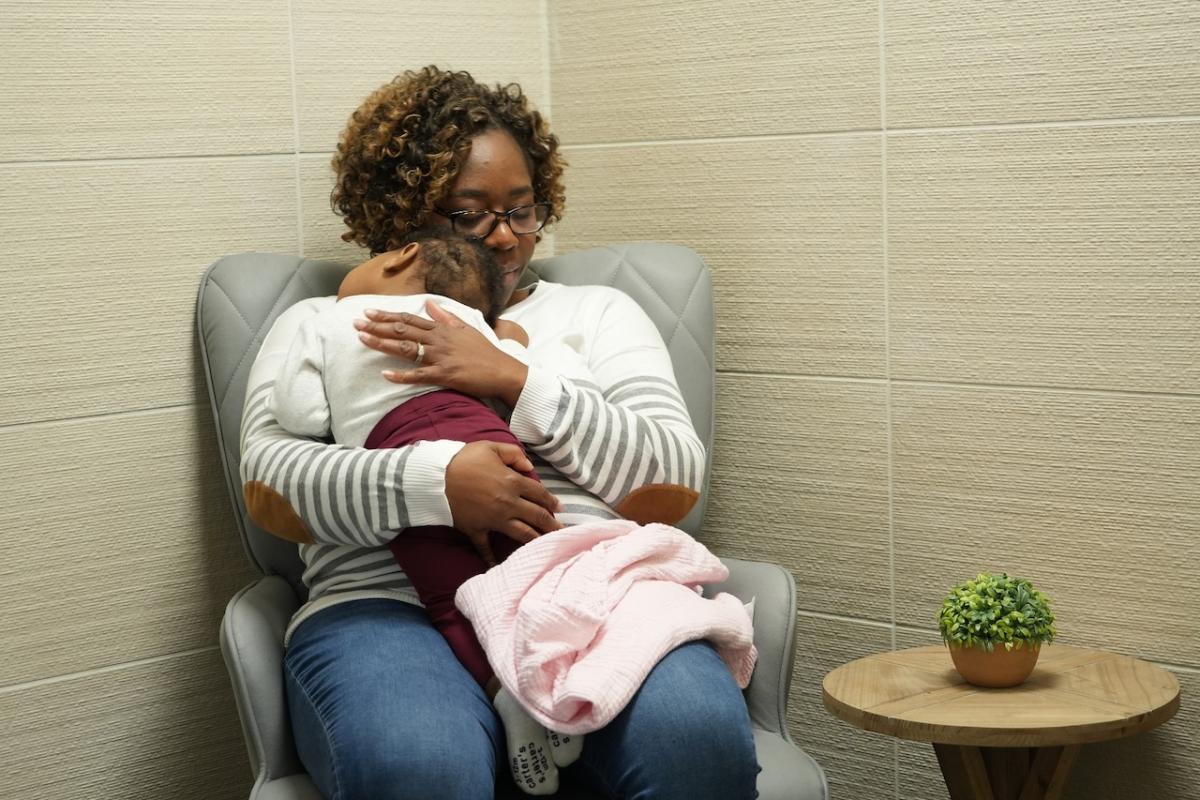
[1003, 744]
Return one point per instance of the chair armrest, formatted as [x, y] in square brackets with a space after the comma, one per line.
[774, 593]
[252, 645]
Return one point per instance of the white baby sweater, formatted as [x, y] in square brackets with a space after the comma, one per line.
[600, 415]
[331, 381]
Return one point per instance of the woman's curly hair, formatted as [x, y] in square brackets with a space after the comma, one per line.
[404, 146]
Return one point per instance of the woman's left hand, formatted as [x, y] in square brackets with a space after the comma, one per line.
[455, 355]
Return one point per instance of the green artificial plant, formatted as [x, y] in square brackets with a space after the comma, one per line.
[996, 609]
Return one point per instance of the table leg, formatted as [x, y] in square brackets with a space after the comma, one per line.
[965, 772]
[1006, 768]
[1048, 774]
[1005, 773]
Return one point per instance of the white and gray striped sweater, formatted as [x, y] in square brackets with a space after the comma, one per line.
[600, 415]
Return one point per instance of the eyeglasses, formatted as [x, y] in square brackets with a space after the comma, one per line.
[522, 220]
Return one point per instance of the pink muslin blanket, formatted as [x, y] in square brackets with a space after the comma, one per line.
[573, 622]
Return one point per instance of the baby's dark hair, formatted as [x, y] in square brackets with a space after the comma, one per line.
[460, 269]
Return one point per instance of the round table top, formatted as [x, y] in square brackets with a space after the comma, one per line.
[1075, 695]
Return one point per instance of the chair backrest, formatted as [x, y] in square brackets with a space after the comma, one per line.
[241, 295]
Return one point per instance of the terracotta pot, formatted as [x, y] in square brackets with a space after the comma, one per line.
[997, 669]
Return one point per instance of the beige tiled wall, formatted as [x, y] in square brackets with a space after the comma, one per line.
[139, 141]
[957, 259]
[956, 248]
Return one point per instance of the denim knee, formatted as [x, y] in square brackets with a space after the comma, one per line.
[713, 747]
[439, 767]
[685, 735]
[381, 709]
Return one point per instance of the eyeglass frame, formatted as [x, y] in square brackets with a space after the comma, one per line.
[453, 216]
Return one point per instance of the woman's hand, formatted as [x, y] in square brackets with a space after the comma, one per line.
[487, 492]
[454, 355]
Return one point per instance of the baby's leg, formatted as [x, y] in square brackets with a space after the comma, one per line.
[439, 559]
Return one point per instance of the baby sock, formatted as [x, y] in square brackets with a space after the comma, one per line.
[529, 759]
[564, 750]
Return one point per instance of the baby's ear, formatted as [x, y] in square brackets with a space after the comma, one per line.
[405, 257]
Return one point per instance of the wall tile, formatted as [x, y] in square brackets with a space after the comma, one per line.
[857, 763]
[119, 538]
[1092, 497]
[800, 479]
[635, 71]
[970, 62]
[144, 78]
[102, 264]
[345, 50]
[792, 230]
[323, 228]
[1055, 257]
[163, 729]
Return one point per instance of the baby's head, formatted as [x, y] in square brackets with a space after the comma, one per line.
[434, 262]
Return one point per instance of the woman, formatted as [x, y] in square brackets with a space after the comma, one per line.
[379, 705]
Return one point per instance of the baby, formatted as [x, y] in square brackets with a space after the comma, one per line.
[330, 383]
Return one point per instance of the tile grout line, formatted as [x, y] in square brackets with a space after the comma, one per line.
[887, 360]
[802, 376]
[295, 132]
[887, 325]
[865, 132]
[547, 73]
[1016, 387]
[123, 160]
[1112, 122]
[872, 623]
[701, 140]
[1099, 122]
[87, 673]
[136, 412]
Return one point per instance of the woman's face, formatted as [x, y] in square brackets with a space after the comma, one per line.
[496, 177]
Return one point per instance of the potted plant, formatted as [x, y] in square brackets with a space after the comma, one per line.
[994, 626]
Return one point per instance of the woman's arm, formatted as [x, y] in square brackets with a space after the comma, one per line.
[307, 490]
[619, 422]
[609, 417]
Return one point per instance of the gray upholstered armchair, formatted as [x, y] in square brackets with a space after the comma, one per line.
[241, 295]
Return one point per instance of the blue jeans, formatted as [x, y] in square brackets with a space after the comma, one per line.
[381, 708]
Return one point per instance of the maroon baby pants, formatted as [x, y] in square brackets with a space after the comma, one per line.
[437, 558]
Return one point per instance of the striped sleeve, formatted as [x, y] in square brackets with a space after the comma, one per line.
[626, 426]
[341, 495]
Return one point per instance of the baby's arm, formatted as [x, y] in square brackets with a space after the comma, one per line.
[298, 398]
[309, 491]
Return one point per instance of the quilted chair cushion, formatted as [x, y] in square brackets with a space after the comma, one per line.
[240, 298]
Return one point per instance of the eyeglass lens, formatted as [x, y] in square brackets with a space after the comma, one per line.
[480, 224]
